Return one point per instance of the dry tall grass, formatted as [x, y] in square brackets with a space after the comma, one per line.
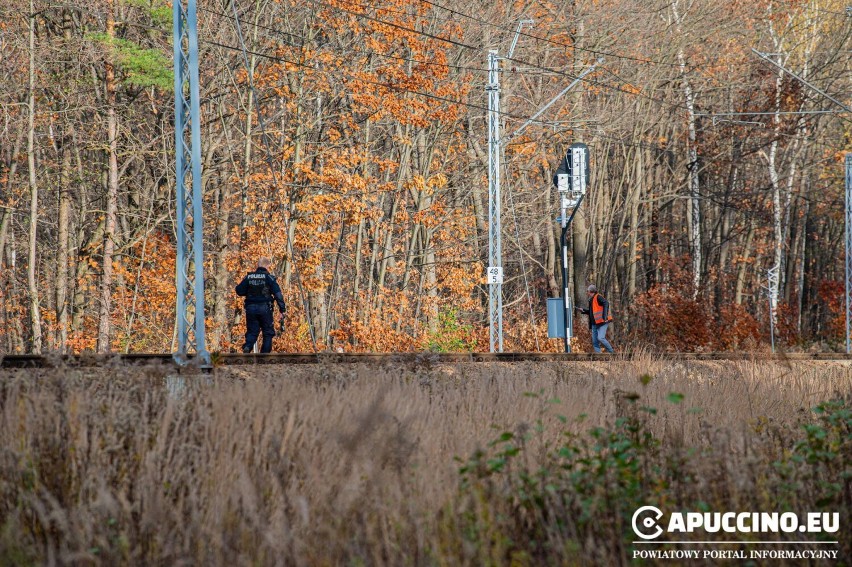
[356, 465]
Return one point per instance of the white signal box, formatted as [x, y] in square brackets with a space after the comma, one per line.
[562, 183]
[579, 167]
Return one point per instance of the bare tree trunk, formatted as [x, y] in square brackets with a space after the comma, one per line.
[725, 229]
[741, 271]
[359, 239]
[430, 270]
[35, 317]
[636, 196]
[103, 345]
[780, 212]
[476, 192]
[221, 275]
[356, 280]
[318, 304]
[550, 267]
[17, 328]
[694, 210]
[387, 253]
[5, 280]
[10, 176]
[63, 251]
[800, 288]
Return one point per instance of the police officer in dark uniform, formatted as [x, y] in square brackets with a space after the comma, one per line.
[260, 290]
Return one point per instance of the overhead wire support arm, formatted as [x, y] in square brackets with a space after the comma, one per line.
[764, 113]
[521, 25]
[800, 79]
[541, 111]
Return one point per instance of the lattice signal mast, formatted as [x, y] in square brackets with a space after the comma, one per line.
[190, 248]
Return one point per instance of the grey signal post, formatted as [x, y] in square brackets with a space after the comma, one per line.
[572, 190]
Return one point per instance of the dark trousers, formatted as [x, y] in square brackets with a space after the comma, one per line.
[259, 318]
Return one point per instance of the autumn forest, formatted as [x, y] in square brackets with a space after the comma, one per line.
[347, 140]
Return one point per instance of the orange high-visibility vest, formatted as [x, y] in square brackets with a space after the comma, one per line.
[598, 312]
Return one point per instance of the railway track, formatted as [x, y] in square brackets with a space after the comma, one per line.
[408, 358]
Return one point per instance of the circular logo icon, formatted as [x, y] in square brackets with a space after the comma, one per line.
[645, 522]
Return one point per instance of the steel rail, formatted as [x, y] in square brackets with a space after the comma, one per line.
[406, 358]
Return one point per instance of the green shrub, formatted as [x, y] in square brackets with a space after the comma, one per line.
[591, 484]
[451, 335]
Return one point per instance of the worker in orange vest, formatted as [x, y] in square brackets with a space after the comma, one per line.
[599, 318]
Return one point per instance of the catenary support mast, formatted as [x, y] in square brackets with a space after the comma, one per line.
[495, 247]
[848, 253]
[190, 251]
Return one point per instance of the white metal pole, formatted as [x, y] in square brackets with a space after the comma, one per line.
[565, 305]
[566, 299]
[495, 285]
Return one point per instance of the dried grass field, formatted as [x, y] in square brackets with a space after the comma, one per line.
[352, 464]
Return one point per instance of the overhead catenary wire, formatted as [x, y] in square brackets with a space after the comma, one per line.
[236, 18]
[595, 52]
[393, 24]
[479, 49]
[433, 36]
[445, 99]
[389, 86]
[612, 55]
[801, 80]
[520, 32]
[453, 42]
[251, 85]
[596, 133]
[410, 91]
[423, 62]
[768, 113]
